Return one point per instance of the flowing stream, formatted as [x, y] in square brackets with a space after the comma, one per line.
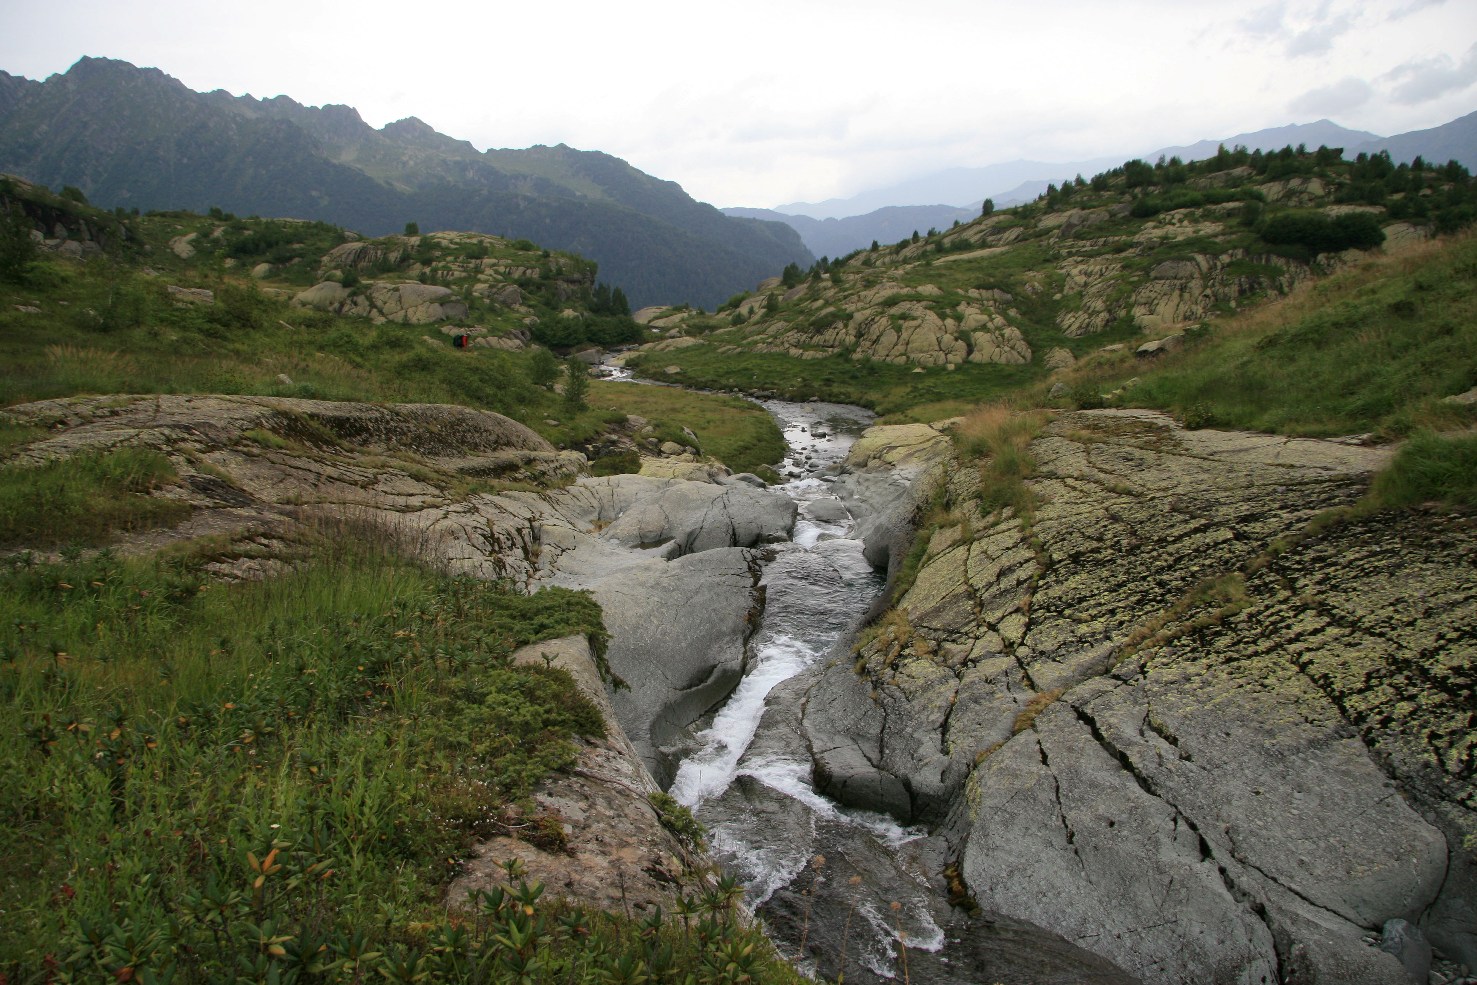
[839, 889]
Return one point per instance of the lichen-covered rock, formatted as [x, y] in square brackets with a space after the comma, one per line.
[364, 255]
[1059, 358]
[1166, 723]
[1006, 346]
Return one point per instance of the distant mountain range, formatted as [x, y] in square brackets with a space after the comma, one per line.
[837, 237]
[135, 137]
[839, 225]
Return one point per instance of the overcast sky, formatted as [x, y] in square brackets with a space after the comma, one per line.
[774, 101]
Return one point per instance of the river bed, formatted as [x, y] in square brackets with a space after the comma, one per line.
[843, 892]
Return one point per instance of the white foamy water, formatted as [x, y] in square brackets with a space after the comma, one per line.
[810, 600]
[709, 771]
[813, 589]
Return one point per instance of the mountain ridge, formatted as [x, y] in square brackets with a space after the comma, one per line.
[138, 138]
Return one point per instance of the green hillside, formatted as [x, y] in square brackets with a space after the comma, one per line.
[175, 302]
[1144, 253]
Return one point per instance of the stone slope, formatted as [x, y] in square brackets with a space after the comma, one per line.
[1155, 729]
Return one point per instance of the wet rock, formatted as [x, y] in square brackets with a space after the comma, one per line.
[885, 484]
[827, 511]
[677, 641]
[689, 517]
[1410, 947]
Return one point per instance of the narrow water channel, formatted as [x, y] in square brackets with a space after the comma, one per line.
[846, 894]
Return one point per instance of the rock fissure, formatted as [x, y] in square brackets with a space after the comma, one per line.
[1248, 901]
[1243, 859]
[1061, 810]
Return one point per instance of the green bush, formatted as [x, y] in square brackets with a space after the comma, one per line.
[1430, 468]
[17, 249]
[622, 463]
[677, 819]
[1318, 233]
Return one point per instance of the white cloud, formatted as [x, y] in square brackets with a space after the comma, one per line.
[1424, 79]
[1265, 21]
[1319, 38]
[1412, 7]
[1338, 99]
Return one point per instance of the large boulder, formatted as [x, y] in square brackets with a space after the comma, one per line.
[688, 517]
[677, 631]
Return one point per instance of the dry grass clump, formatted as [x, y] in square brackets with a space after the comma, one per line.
[1038, 703]
[1001, 437]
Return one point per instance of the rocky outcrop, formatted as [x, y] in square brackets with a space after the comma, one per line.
[1165, 720]
[672, 560]
[889, 473]
[678, 632]
[688, 517]
[411, 304]
[1003, 289]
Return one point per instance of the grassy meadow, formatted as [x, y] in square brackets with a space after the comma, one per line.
[273, 781]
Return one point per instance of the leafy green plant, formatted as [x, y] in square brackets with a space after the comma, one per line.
[677, 819]
[218, 780]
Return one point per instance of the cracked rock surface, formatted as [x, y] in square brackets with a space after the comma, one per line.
[1170, 722]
